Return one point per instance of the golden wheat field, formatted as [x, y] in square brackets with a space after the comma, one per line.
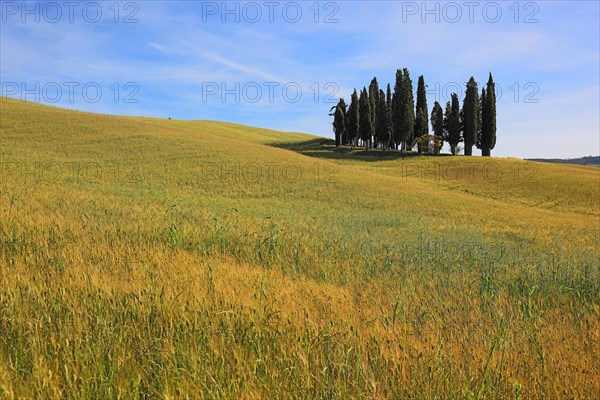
[163, 259]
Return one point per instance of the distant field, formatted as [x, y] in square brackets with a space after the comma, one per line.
[590, 160]
[195, 259]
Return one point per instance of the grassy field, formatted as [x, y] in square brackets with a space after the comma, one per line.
[147, 258]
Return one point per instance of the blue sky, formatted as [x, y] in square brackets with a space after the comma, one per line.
[279, 64]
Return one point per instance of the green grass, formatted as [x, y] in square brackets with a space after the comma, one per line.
[196, 259]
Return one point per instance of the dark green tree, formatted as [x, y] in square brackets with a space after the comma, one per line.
[344, 108]
[366, 123]
[481, 119]
[383, 121]
[437, 120]
[352, 120]
[374, 102]
[389, 104]
[446, 121]
[487, 141]
[452, 123]
[339, 122]
[407, 116]
[421, 123]
[422, 140]
[471, 116]
[397, 109]
[480, 115]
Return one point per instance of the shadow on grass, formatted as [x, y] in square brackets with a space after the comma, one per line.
[325, 148]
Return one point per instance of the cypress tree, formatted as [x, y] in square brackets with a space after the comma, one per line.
[447, 114]
[374, 102]
[452, 123]
[383, 126]
[437, 120]
[352, 120]
[366, 123]
[437, 124]
[421, 120]
[488, 131]
[471, 116]
[339, 122]
[407, 104]
[344, 108]
[482, 120]
[397, 108]
[421, 123]
[388, 104]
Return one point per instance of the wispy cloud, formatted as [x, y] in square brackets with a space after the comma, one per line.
[252, 72]
[157, 47]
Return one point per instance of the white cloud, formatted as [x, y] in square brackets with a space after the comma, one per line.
[157, 47]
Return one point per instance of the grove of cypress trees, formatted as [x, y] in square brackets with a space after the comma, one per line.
[390, 119]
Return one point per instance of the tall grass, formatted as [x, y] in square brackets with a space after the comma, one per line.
[131, 267]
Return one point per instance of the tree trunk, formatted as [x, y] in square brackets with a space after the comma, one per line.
[468, 150]
[486, 152]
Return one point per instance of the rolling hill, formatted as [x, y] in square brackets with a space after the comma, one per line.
[157, 258]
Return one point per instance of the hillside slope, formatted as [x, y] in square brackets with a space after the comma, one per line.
[171, 258]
